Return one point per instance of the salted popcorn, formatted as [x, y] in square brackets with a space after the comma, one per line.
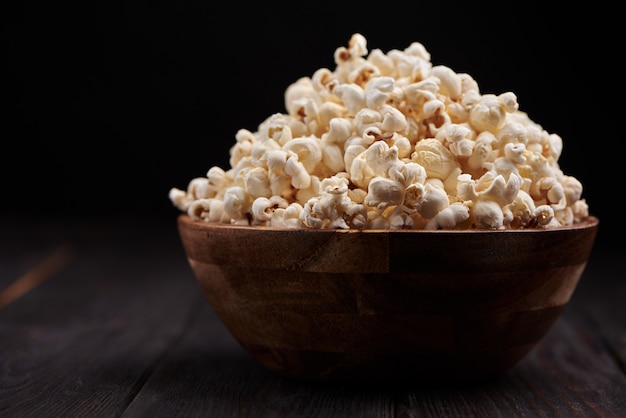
[390, 141]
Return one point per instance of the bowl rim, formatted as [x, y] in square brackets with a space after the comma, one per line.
[590, 221]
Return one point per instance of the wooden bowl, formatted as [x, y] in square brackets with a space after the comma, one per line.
[336, 305]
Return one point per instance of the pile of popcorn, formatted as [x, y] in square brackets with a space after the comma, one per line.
[390, 141]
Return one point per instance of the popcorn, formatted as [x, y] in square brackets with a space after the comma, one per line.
[390, 141]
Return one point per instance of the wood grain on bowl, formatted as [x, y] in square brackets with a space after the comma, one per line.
[378, 304]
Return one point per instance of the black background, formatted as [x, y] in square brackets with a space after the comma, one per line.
[108, 105]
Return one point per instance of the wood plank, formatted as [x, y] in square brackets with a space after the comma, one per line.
[565, 376]
[53, 262]
[602, 294]
[24, 244]
[84, 342]
[572, 371]
[208, 374]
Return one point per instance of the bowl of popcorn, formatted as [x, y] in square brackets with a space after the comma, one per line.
[393, 223]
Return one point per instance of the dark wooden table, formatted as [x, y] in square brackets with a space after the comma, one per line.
[103, 318]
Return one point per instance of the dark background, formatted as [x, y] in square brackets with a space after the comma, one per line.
[108, 105]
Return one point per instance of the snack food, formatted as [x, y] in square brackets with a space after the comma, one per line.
[390, 141]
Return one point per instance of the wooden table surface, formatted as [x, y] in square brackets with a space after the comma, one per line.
[103, 318]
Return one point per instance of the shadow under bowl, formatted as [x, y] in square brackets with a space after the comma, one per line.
[348, 305]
